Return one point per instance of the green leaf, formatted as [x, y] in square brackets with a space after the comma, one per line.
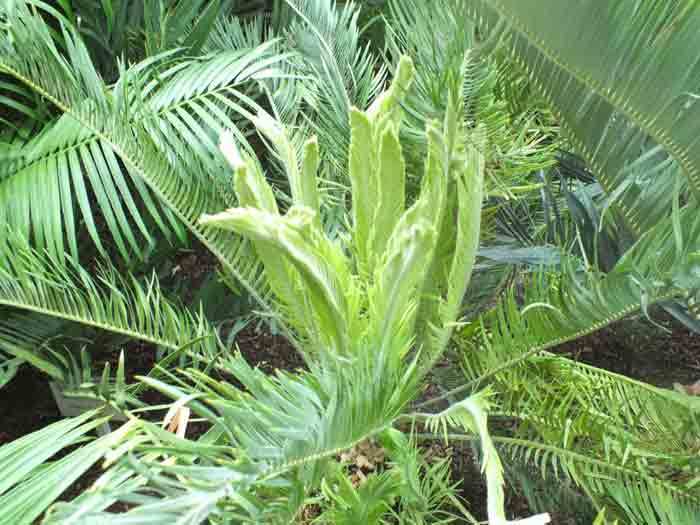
[364, 184]
[32, 483]
[392, 192]
[600, 83]
[294, 238]
[41, 284]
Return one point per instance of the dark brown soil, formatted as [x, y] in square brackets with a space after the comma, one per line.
[26, 405]
[660, 355]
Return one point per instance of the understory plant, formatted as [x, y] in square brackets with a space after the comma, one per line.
[371, 309]
[422, 247]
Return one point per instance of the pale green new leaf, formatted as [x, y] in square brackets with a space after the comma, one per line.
[391, 191]
[363, 172]
[294, 237]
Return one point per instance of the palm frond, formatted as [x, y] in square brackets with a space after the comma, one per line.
[346, 73]
[600, 81]
[587, 421]
[32, 480]
[59, 171]
[38, 283]
[648, 496]
[560, 307]
[281, 431]
[184, 187]
[189, 102]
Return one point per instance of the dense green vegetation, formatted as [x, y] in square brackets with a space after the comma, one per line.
[422, 196]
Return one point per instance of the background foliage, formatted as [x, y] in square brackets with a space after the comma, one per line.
[388, 196]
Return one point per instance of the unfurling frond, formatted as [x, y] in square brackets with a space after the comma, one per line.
[383, 291]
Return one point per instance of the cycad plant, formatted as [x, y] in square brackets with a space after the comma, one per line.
[371, 310]
[365, 252]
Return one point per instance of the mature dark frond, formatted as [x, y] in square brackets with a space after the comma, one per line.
[621, 80]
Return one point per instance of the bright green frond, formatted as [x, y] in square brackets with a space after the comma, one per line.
[37, 282]
[32, 480]
[179, 175]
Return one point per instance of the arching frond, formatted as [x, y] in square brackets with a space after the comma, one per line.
[558, 309]
[589, 422]
[622, 81]
[570, 411]
[36, 282]
[655, 499]
[58, 172]
[190, 103]
[180, 177]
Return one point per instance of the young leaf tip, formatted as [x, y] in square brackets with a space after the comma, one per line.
[405, 72]
[269, 126]
[229, 148]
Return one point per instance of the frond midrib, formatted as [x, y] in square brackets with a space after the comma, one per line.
[679, 152]
[62, 151]
[197, 231]
[46, 157]
[584, 459]
[89, 322]
[277, 470]
[530, 351]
